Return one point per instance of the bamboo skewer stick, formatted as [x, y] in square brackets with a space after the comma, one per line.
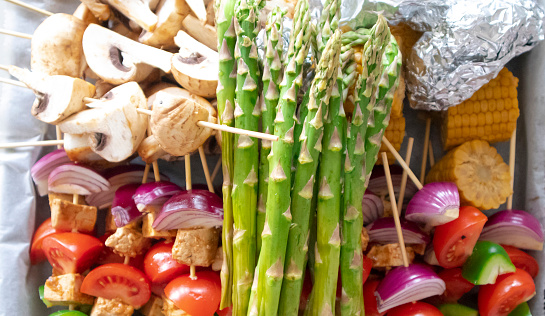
[425, 152]
[512, 148]
[59, 136]
[39, 143]
[206, 171]
[13, 82]
[400, 160]
[30, 7]
[156, 173]
[431, 156]
[146, 173]
[394, 209]
[189, 186]
[404, 174]
[216, 170]
[16, 34]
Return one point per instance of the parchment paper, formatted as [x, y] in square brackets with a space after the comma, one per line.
[21, 209]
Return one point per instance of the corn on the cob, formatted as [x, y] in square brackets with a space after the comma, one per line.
[478, 170]
[490, 114]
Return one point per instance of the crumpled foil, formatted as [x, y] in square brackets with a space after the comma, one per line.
[465, 42]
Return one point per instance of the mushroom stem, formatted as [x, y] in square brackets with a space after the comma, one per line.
[16, 34]
[30, 7]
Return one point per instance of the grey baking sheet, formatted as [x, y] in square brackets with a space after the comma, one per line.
[21, 210]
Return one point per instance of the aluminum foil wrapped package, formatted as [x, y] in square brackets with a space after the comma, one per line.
[465, 42]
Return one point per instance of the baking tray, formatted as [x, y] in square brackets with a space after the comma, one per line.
[21, 209]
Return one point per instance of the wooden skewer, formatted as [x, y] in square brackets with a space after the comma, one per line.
[59, 136]
[432, 157]
[394, 209]
[188, 184]
[15, 33]
[400, 160]
[404, 174]
[127, 260]
[425, 152]
[13, 82]
[75, 200]
[206, 171]
[156, 173]
[30, 7]
[512, 148]
[40, 143]
[146, 173]
[216, 170]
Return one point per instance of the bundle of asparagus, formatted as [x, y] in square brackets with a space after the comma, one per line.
[274, 196]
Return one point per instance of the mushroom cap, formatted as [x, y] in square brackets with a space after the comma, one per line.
[85, 14]
[170, 14]
[79, 151]
[196, 66]
[137, 11]
[114, 127]
[174, 123]
[56, 47]
[150, 150]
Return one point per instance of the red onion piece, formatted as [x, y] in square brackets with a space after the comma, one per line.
[76, 179]
[377, 182]
[156, 193]
[437, 203]
[118, 176]
[43, 167]
[429, 256]
[514, 228]
[383, 231]
[124, 209]
[372, 208]
[187, 209]
[408, 284]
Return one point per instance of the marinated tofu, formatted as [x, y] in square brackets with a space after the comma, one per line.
[105, 307]
[364, 239]
[72, 217]
[128, 242]
[154, 307]
[110, 222]
[388, 256]
[65, 290]
[196, 246]
[149, 232]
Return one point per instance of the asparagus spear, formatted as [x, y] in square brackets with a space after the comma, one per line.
[245, 178]
[278, 214]
[271, 93]
[226, 100]
[354, 185]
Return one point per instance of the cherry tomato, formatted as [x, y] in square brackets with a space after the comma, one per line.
[415, 309]
[37, 254]
[107, 255]
[522, 260]
[369, 298]
[454, 241]
[159, 265]
[502, 297]
[457, 286]
[196, 297]
[228, 311]
[116, 280]
[71, 252]
[367, 266]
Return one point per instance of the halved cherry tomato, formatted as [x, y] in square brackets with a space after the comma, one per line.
[116, 280]
[510, 290]
[37, 254]
[367, 266]
[453, 242]
[415, 309]
[196, 297]
[159, 265]
[107, 255]
[457, 286]
[71, 252]
[369, 298]
[522, 260]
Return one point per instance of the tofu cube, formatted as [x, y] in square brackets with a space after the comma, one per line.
[65, 290]
[66, 197]
[169, 309]
[72, 217]
[110, 223]
[389, 255]
[128, 242]
[154, 307]
[196, 246]
[218, 260]
[105, 307]
[149, 232]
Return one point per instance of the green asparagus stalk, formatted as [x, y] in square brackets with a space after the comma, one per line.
[330, 14]
[245, 177]
[354, 185]
[278, 213]
[271, 93]
[226, 100]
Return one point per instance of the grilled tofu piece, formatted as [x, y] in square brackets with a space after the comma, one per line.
[196, 246]
[388, 256]
[128, 242]
[65, 290]
[149, 232]
[169, 309]
[154, 307]
[105, 307]
[68, 216]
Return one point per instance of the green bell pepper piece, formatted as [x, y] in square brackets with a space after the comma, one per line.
[68, 313]
[41, 293]
[487, 261]
[457, 310]
[521, 310]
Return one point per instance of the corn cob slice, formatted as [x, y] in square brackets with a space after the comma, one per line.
[480, 173]
[490, 114]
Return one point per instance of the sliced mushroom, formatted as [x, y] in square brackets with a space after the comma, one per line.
[119, 27]
[56, 46]
[210, 14]
[150, 150]
[83, 13]
[101, 88]
[78, 149]
[171, 14]
[100, 10]
[199, 8]
[195, 67]
[57, 97]
[205, 34]
[113, 126]
[174, 123]
[138, 11]
[115, 58]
